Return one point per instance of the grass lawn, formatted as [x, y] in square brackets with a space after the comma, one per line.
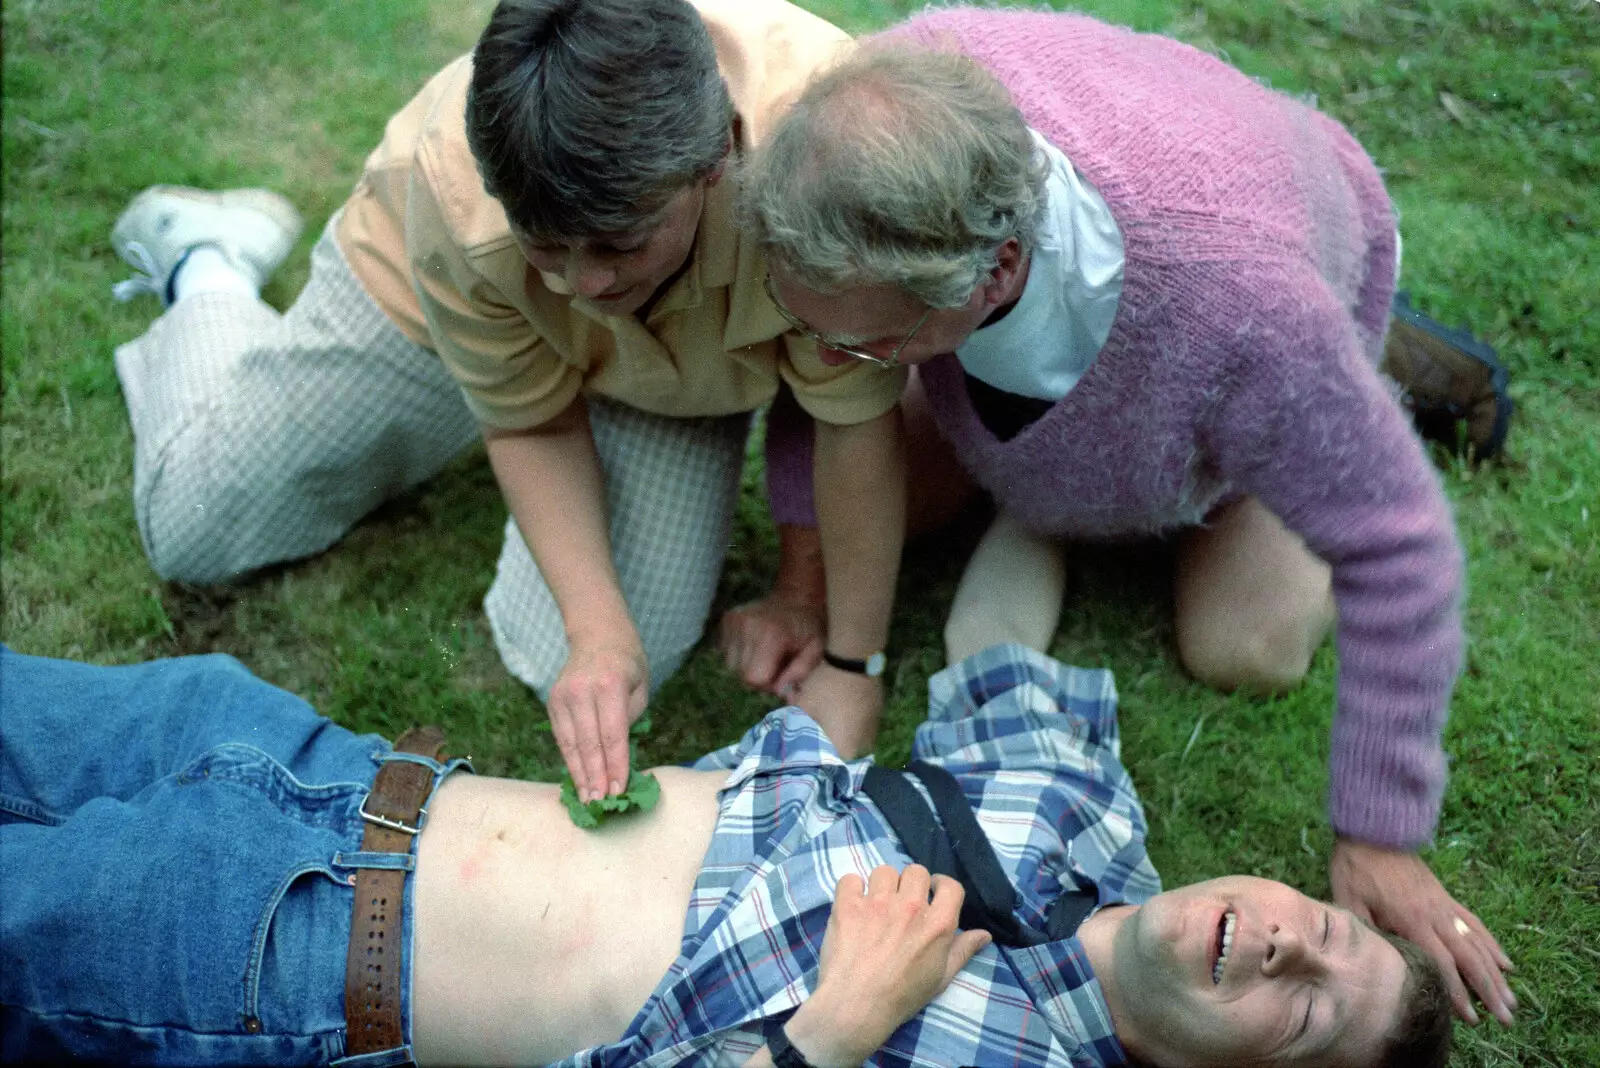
[1483, 114]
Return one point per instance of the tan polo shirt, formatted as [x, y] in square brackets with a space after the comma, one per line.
[436, 253]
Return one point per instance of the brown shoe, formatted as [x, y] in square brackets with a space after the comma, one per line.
[1452, 384]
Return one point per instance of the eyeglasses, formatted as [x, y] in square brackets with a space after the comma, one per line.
[800, 327]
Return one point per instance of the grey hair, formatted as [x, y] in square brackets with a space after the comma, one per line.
[587, 116]
[901, 166]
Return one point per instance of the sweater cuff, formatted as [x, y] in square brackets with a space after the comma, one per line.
[1384, 797]
[1389, 822]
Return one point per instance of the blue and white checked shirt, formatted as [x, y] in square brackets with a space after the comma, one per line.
[1034, 745]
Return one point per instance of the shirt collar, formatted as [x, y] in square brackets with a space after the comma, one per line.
[717, 243]
[1063, 987]
[711, 258]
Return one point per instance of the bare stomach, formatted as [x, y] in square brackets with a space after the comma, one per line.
[535, 939]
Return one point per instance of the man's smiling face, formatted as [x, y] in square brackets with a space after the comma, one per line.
[1240, 971]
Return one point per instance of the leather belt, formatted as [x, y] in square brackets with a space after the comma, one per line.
[375, 966]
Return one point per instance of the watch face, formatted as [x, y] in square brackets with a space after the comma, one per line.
[875, 664]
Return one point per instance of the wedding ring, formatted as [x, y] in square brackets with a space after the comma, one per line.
[1461, 926]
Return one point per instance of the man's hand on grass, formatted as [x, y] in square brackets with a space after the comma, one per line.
[890, 948]
[602, 689]
[1398, 892]
[775, 642]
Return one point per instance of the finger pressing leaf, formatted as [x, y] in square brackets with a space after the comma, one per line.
[641, 795]
[583, 815]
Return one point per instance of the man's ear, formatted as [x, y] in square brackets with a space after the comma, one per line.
[997, 288]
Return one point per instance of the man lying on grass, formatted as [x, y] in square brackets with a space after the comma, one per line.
[187, 851]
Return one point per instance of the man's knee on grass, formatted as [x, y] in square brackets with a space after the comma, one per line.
[1261, 656]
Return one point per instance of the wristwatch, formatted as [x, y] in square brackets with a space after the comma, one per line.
[784, 1055]
[871, 667]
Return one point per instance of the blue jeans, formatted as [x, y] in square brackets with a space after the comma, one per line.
[173, 877]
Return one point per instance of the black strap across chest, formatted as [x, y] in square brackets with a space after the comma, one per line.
[947, 840]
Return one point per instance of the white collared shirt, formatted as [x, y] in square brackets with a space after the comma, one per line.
[1043, 346]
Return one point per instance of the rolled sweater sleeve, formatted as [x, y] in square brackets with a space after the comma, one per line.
[790, 449]
[811, 390]
[1306, 425]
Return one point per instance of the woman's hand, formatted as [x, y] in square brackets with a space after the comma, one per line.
[600, 692]
[774, 643]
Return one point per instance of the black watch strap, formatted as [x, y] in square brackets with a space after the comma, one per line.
[784, 1055]
[871, 667]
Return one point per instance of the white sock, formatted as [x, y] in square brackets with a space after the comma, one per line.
[207, 270]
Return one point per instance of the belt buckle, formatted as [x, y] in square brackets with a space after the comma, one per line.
[393, 824]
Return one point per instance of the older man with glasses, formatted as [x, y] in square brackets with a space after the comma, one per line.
[831, 344]
[1146, 295]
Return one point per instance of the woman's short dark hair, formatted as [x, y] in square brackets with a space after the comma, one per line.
[586, 116]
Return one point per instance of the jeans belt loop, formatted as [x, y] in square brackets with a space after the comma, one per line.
[375, 967]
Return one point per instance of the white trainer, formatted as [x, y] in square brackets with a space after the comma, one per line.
[253, 228]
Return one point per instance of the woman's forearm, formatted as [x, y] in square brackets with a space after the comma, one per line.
[553, 485]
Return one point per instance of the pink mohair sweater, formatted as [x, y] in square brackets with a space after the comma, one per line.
[1260, 260]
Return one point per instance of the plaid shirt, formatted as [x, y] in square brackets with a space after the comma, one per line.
[1034, 745]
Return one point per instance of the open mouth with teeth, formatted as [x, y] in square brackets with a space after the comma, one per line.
[1223, 944]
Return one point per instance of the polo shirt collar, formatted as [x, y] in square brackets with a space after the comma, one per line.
[713, 257]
